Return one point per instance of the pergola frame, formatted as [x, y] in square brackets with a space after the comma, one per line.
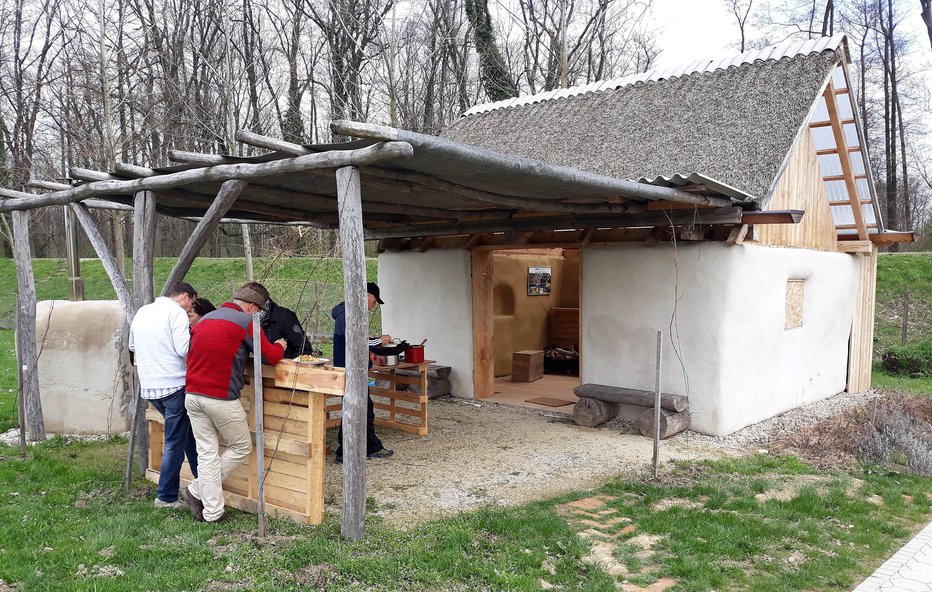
[606, 210]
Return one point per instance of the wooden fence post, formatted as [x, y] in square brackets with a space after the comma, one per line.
[27, 355]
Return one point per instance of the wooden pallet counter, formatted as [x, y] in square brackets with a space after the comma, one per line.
[401, 409]
[294, 405]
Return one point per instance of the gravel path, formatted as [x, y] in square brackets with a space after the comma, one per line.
[485, 453]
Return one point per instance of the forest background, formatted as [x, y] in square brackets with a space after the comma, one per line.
[89, 83]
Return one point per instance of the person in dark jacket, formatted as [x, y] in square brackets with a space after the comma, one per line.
[279, 322]
[374, 447]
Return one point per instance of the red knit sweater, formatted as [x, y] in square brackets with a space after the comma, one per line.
[220, 346]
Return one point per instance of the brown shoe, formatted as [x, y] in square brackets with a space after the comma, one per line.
[194, 504]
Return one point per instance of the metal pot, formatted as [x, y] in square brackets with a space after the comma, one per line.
[414, 354]
[386, 360]
[386, 350]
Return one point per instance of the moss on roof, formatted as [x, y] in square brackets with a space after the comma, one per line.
[735, 125]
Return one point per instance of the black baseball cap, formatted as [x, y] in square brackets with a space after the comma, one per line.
[373, 288]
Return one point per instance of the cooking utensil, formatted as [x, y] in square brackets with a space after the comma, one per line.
[422, 343]
[387, 360]
[393, 349]
[414, 354]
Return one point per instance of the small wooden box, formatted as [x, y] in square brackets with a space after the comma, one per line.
[527, 366]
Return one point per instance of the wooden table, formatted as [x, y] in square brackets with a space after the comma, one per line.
[406, 410]
[294, 399]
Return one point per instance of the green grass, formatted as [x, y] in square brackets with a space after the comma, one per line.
[897, 273]
[758, 523]
[8, 381]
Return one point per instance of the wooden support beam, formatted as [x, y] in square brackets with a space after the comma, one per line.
[842, 177]
[530, 224]
[27, 356]
[888, 238]
[352, 524]
[863, 202]
[586, 237]
[132, 170]
[737, 235]
[225, 172]
[183, 157]
[482, 323]
[841, 144]
[229, 191]
[472, 242]
[773, 217]
[855, 246]
[107, 260]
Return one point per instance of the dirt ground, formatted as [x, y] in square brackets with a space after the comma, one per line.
[486, 453]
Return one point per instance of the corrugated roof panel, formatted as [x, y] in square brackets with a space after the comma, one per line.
[775, 52]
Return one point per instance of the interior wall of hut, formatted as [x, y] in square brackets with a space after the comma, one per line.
[524, 315]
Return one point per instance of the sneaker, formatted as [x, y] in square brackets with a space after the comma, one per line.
[338, 460]
[175, 505]
[222, 518]
[384, 453]
[194, 504]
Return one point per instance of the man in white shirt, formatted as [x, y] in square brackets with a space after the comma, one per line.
[159, 336]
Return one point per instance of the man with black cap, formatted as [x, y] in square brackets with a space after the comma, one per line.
[220, 346]
[374, 447]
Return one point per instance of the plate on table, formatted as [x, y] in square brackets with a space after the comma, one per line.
[312, 360]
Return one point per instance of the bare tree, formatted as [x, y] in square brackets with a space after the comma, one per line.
[740, 9]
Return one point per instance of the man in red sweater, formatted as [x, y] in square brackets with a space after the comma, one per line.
[220, 346]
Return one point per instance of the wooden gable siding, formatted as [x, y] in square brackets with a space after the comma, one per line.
[801, 188]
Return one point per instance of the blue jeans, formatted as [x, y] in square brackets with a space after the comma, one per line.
[179, 442]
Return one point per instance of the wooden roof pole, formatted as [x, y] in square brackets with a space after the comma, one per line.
[845, 158]
[409, 181]
[353, 520]
[334, 159]
[442, 146]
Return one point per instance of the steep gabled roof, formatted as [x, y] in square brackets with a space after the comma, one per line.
[734, 121]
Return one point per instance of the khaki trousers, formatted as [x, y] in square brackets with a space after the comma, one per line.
[213, 420]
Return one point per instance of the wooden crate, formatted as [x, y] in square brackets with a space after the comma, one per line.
[527, 366]
[565, 327]
[294, 417]
[396, 409]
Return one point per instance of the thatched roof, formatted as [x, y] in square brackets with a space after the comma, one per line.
[735, 125]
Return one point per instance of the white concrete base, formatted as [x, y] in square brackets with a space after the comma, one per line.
[85, 380]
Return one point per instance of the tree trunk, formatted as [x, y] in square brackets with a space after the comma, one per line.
[593, 412]
[671, 423]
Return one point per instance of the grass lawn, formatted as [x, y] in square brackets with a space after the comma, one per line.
[759, 523]
[897, 273]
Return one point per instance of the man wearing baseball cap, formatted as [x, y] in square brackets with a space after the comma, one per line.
[220, 347]
[374, 447]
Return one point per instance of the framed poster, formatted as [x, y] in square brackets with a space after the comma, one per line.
[538, 281]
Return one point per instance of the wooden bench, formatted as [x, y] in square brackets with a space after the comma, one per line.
[438, 380]
[599, 403]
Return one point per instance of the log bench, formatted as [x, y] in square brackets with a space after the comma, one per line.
[599, 403]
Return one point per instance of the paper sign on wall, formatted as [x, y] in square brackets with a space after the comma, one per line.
[538, 281]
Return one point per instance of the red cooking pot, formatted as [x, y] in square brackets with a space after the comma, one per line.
[414, 354]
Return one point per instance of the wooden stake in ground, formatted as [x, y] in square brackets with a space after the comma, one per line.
[260, 418]
[656, 460]
[19, 394]
[353, 525]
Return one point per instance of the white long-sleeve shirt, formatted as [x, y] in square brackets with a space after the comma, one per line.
[160, 335]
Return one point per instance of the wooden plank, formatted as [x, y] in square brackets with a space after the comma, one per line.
[410, 429]
[800, 188]
[855, 246]
[482, 323]
[286, 411]
[290, 374]
[398, 395]
[315, 466]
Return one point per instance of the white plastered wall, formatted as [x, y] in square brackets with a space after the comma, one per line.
[85, 381]
[429, 296]
[741, 365]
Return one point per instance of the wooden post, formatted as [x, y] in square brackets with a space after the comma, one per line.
[229, 191]
[349, 196]
[143, 293]
[260, 419]
[27, 356]
[75, 281]
[483, 380]
[656, 460]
